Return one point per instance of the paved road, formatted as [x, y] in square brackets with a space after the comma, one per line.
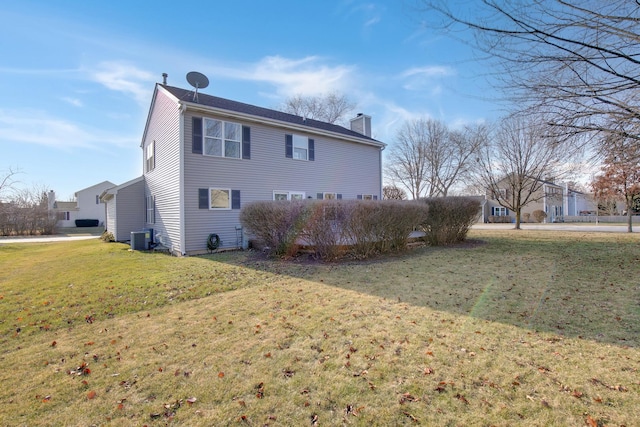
[569, 226]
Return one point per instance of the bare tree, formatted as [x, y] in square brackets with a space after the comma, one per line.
[27, 212]
[450, 161]
[331, 108]
[392, 192]
[579, 60]
[7, 181]
[407, 159]
[428, 158]
[515, 165]
[620, 178]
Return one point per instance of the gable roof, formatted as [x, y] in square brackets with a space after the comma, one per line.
[110, 192]
[214, 102]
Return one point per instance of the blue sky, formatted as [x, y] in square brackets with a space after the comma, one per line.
[76, 77]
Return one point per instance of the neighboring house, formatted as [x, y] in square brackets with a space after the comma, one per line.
[86, 206]
[205, 157]
[578, 203]
[556, 200]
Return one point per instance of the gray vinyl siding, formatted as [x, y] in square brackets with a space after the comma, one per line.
[342, 167]
[163, 181]
[129, 207]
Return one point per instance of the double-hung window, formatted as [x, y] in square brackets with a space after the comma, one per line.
[222, 139]
[499, 211]
[299, 147]
[219, 198]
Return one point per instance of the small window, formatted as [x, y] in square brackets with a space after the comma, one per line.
[329, 196]
[222, 139]
[150, 156]
[288, 195]
[151, 209]
[499, 211]
[219, 198]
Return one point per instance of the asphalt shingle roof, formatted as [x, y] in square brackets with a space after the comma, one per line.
[227, 104]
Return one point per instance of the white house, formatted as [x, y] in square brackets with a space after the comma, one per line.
[87, 206]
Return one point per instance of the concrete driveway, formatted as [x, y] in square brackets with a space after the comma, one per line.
[64, 235]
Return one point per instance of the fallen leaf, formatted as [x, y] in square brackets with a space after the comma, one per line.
[591, 422]
[91, 395]
[220, 374]
[191, 400]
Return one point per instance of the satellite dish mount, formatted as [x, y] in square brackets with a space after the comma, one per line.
[198, 81]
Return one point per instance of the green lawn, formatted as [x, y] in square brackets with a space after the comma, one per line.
[530, 328]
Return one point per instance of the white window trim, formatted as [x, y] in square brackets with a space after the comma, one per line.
[222, 138]
[228, 190]
[367, 197]
[290, 194]
[327, 196]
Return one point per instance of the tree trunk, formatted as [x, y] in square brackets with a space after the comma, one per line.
[518, 215]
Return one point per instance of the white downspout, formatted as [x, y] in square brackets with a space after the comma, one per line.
[181, 147]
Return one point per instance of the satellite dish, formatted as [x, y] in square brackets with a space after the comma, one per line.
[198, 81]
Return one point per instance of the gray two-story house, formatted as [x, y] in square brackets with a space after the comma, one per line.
[205, 157]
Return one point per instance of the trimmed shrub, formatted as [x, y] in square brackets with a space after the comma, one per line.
[449, 219]
[539, 215]
[107, 236]
[526, 217]
[324, 228]
[374, 228]
[277, 224]
[360, 228]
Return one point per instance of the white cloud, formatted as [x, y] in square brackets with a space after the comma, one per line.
[73, 101]
[428, 71]
[125, 78]
[307, 76]
[33, 127]
[422, 78]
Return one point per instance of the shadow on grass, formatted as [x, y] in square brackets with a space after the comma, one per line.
[582, 286]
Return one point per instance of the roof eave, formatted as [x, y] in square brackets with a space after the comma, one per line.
[279, 123]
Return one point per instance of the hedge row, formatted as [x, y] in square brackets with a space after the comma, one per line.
[333, 229]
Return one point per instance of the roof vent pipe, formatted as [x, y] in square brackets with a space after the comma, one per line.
[164, 79]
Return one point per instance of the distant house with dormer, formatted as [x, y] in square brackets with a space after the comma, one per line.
[556, 200]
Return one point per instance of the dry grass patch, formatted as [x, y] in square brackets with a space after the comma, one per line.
[458, 336]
